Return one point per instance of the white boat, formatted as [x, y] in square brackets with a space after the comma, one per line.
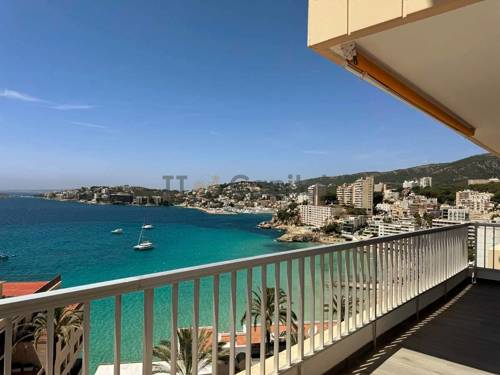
[3, 256]
[147, 226]
[143, 244]
[117, 231]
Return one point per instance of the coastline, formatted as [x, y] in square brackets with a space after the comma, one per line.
[229, 210]
[297, 233]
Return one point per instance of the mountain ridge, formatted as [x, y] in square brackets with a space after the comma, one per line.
[455, 172]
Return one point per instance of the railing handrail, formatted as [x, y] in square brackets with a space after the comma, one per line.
[85, 293]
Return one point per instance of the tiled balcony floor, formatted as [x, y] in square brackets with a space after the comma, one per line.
[461, 337]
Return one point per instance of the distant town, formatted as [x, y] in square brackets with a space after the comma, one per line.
[318, 213]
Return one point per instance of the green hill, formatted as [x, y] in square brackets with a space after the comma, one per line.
[453, 173]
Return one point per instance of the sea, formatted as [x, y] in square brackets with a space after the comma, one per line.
[74, 240]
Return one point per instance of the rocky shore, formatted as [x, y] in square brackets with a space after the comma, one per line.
[297, 233]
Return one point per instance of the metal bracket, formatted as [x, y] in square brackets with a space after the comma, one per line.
[349, 51]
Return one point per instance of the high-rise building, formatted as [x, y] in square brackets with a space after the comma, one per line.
[316, 216]
[316, 194]
[425, 182]
[358, 194]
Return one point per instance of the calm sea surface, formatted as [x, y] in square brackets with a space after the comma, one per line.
[74, 240]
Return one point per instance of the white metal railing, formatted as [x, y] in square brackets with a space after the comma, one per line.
[360, 281]
[487, 251]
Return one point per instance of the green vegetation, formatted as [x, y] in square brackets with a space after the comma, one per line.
[332, 228]
[185, 350]
[378, 197]
[289, 215]
[269, 308]
[453, 173]
[355, 211]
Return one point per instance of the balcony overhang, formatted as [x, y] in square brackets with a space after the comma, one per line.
[441, 56]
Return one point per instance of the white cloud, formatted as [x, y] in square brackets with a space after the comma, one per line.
[315, 152]
[69, 107]
[89, 125]
[16, 95]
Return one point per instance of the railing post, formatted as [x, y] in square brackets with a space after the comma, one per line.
[417, 302]
[7, 360]
[118, 334]
[86, 338]
[375, 286]
[147, 356]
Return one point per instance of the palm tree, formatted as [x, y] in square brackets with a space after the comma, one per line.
[343, 305]
[66, 320]
[255, 311]
[185, 353]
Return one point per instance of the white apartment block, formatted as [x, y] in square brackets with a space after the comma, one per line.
[386, 229]
[358, 194]
[353, 223]
[316, 194]
[482, 181]
[425, 182]
[454, 213]
[410, 184]
[475, 201]
[316, 216]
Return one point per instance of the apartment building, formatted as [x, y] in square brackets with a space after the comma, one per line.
[425, 182]
[391, 195]
[316, 194]
[475, 201]
[410, 184]
[316, 216]
[359, 194]
[481, 181]
[454, 213]
[387, 229]
[352, 223]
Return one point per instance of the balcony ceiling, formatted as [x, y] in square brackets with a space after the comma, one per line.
[450, 58]
[454, 59]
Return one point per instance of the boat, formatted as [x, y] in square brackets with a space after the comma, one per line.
[117, 231]
[143, 244]
[4, 256]
[147, 226]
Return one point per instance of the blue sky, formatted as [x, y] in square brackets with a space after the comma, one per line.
[119, 92]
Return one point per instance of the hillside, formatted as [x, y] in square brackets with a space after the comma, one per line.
[455, 173]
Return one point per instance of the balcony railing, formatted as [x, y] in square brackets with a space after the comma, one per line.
[340, 288]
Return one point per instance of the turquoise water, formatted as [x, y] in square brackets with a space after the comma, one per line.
[74, 240]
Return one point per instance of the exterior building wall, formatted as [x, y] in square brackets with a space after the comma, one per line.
[358, 194]
[316, 194]
[316, 216]
[425, 182]
[386, 229]
[475, 201]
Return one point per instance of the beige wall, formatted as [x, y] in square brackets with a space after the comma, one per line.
[338, 21]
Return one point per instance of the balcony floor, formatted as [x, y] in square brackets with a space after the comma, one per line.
[461, 337]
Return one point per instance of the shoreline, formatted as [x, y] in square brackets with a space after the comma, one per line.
[301, 234]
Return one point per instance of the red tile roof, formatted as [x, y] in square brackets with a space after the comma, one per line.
[14, 289]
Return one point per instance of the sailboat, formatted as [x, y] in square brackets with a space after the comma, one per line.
[143, 244]
[147, 226]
